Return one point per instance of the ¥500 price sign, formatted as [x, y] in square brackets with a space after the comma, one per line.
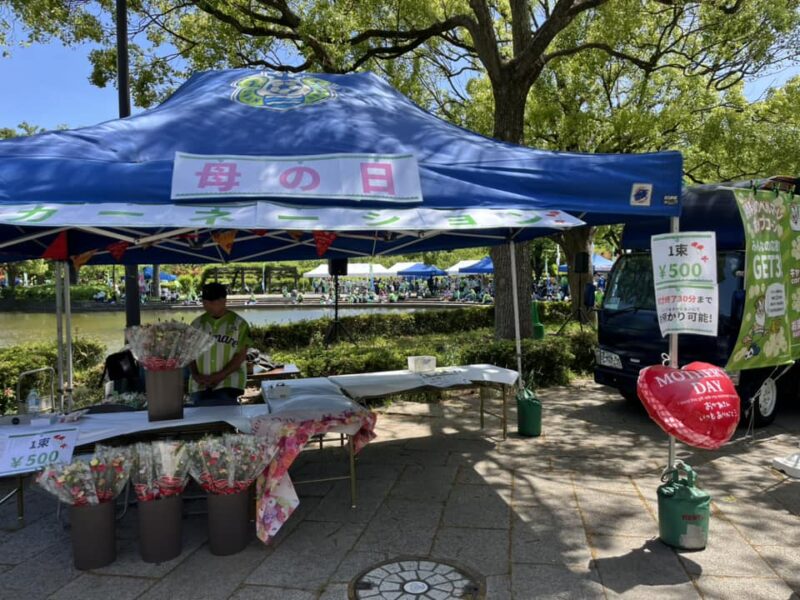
[28, 452]
[685, 279]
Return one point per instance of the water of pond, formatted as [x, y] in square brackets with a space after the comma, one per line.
[20, 328]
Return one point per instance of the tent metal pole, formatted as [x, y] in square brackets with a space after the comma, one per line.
[68, 313]
[673, 353]
[514, 295]
[59, 273]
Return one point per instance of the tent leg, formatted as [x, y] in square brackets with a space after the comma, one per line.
[673, 355]
[515, 297]
[59, 273]
[68, 314]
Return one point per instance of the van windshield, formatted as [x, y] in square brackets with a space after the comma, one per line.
[630, 286]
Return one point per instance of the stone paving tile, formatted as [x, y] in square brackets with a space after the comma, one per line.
[215, 577]
[606, 514]
[27, 578]
[786, 495]
[335, 591]
[425, 483]
[759, 523]
[485, 551]
[355, 562]
[731, 475]
[476, 506]
[101, 587]
[129, 561]
[308, 558]
[547, 582]
[537, 489]
[727, 554]
[784, 560]
[549, 539]
[402, 527]
[260, 592]
[498, 587]
[22, 544]
[724, 588]
[630, 567]
[335, 506]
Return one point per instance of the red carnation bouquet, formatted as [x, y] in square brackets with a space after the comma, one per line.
[167, 345]
[228, 465]
[161, 469]
[100, 478]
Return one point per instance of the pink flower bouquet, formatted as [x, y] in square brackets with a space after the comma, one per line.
[160, 470]
[81, 482]
[168, 345]
[228, 465]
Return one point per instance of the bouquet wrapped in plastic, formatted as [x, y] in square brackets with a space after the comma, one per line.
[100, 478]
[168, 345]
[160, 470]
[229, 464]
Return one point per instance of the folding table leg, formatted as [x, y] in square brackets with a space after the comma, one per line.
[352, 453]
[505, 411]
[483, 392]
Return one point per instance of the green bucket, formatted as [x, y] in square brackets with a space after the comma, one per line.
[683, 510]
[529, 414]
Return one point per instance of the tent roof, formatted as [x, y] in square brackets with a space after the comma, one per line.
[484, 265]
[460, 265]
[353, 270]
[126, 179]
[400, 266]
[422, 270]
[599, 264]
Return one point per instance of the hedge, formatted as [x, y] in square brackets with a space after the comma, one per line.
[78, 293]
[551, 360]
[362, 327]
[87, 355]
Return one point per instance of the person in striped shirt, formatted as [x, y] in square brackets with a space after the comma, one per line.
[218, 376]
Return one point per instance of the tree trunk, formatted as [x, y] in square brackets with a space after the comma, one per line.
[573, 242]
[155, 284]
[504, 310]
[509, 121]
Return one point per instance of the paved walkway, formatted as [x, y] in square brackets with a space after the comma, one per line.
[567, 515]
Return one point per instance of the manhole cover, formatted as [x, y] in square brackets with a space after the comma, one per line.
[416, 579]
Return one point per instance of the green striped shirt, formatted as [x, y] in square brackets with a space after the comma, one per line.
[232, 333]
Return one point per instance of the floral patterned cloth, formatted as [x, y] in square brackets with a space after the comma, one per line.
[277, 498]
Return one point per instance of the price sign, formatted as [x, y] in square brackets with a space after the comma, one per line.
[28, 452]
[685, 278]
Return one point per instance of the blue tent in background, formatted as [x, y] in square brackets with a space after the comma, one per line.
[268, 154]
[163, 276]
[482, 267]
[600, 264]
[421, 270]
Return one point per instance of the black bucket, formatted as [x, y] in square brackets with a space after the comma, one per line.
[160, 529]
[229, 528]
[93, 531]
[164, 394]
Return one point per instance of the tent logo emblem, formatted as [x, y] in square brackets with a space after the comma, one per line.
[282, 92]
[641, 194]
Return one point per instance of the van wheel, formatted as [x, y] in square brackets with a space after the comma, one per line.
[765, 406]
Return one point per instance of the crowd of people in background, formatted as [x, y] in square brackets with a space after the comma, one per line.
[397, 289]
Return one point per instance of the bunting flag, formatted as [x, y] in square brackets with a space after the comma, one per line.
[324, 239]
[81, 259]
[295, 235]
[117, 249]
[259, 232]
[57, 250]
[193, 239]
[224, 239]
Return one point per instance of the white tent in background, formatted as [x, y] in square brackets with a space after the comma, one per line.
[462, 264]
[401, 266]
[353, 270]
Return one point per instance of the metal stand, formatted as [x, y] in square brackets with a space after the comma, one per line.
[336, 328]
[579, 314]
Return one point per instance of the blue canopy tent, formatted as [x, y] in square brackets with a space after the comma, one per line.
[482, 267]
[422, 271]
[165, 181]
[600, 264]
[162, 275]
[244, 165]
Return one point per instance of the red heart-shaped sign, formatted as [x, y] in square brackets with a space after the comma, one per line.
[698, 404]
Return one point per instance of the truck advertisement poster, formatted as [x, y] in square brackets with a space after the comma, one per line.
[685, 278]
[770, 330]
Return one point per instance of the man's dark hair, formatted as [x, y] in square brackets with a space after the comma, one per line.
[214, 291]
